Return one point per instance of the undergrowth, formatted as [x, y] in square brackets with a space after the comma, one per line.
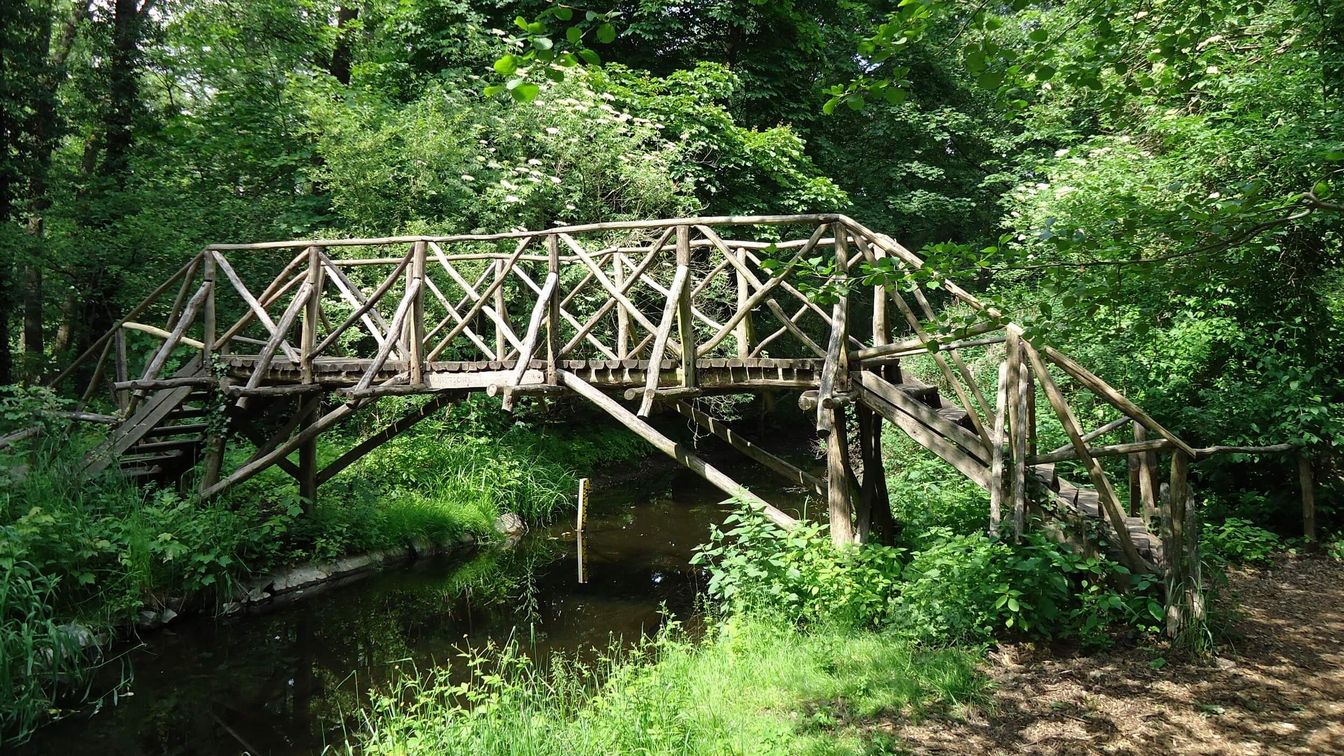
[751, 687]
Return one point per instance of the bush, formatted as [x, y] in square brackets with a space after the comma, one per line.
[1237, 541]
[960, 588]
[756, 567]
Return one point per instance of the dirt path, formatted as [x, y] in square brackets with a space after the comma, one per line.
[1276, 688]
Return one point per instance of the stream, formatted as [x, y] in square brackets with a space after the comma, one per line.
[289, 680]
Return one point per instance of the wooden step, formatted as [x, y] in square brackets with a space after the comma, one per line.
[922, 392]
[184, 413]
[151, 459]
[175, 430]
[1085, 501]
[157, 446]
[1046, 475]
[957, 416]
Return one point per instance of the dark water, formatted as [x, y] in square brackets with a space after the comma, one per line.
[287, 681]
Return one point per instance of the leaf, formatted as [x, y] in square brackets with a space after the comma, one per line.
[574, 34]
[525, 92]
[606, 33]
[563, 13]
[590, 57]
[1038, 35]
[506, 65]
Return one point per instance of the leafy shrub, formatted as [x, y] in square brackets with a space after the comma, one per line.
[1237, 541]
[1335, 549]
[959, 588]
[758, 567]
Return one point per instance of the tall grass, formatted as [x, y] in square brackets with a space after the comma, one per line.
[753, 687]
[38, 657]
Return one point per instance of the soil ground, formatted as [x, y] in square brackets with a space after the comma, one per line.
[1276, 686]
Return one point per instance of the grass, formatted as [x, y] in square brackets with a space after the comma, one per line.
[753, 686]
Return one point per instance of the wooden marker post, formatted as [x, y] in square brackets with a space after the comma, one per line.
[581, 518]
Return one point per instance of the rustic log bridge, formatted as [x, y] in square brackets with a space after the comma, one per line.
[594, 310]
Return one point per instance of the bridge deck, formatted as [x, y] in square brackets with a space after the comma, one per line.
[722, 375]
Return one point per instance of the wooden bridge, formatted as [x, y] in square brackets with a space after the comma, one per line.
[657, 312]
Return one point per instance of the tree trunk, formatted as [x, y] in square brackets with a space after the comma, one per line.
[46, 129]
[342, 57]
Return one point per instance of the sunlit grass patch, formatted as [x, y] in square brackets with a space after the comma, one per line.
[752, 686]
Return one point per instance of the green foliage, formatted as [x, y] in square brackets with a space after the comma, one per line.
[749, 687]
[39, 658]
[797, 575]
[1238, 541]
[954, 589]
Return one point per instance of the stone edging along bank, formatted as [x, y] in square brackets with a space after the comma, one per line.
[296, 582]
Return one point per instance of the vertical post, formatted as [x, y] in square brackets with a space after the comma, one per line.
[501, 346]
[1148, 484]
[882, 333]
[214, 439]
[1030, 388]
[841, 314]
[1305, 479]
[622, 317]
[1021, 421]
[685, 321]
[996, 470]
[1185, 602]
[874, 514]
[744, 334]
[312, 313]
[415, 327]
[208, 313]
[553, 317]
[581, 517]
[122, 368]
[837, 481]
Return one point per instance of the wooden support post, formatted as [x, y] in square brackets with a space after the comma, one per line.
[215, 435]
[1022, 422]
[415, 325]
[1180, 548]
[122, 369]
[1305, 480]
[685, 319]
[999, 451]
[622, 317]
[1148, 482]
[837, 481]
[312, 314]
[745, 333]
[553, 313]
[501, 345]
[673, 449]
[875, 521]
[581, 516]
[308, 461]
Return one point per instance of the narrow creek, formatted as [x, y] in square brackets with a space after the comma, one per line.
[288, 681]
